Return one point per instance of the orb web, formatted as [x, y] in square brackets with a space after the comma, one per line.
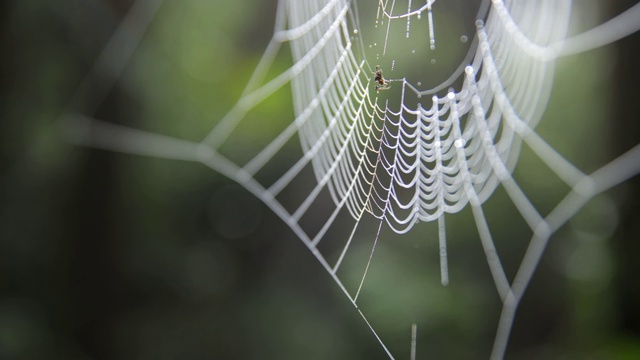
[415, 152]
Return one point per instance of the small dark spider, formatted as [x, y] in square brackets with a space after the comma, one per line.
[379, 82]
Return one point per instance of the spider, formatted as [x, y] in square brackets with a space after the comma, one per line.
[379, 81]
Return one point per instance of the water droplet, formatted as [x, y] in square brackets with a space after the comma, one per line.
[419, 83]
[413, 51]
[459, 143]
[355, 31]
[419, 96]
[433, 61]
[432, 47]
[419, 15]
[464, 39]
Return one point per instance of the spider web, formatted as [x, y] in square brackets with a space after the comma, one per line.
[389, 155]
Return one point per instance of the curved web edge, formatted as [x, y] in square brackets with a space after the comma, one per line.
[369, 119]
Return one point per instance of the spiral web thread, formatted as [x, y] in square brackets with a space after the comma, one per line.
[404, 165]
